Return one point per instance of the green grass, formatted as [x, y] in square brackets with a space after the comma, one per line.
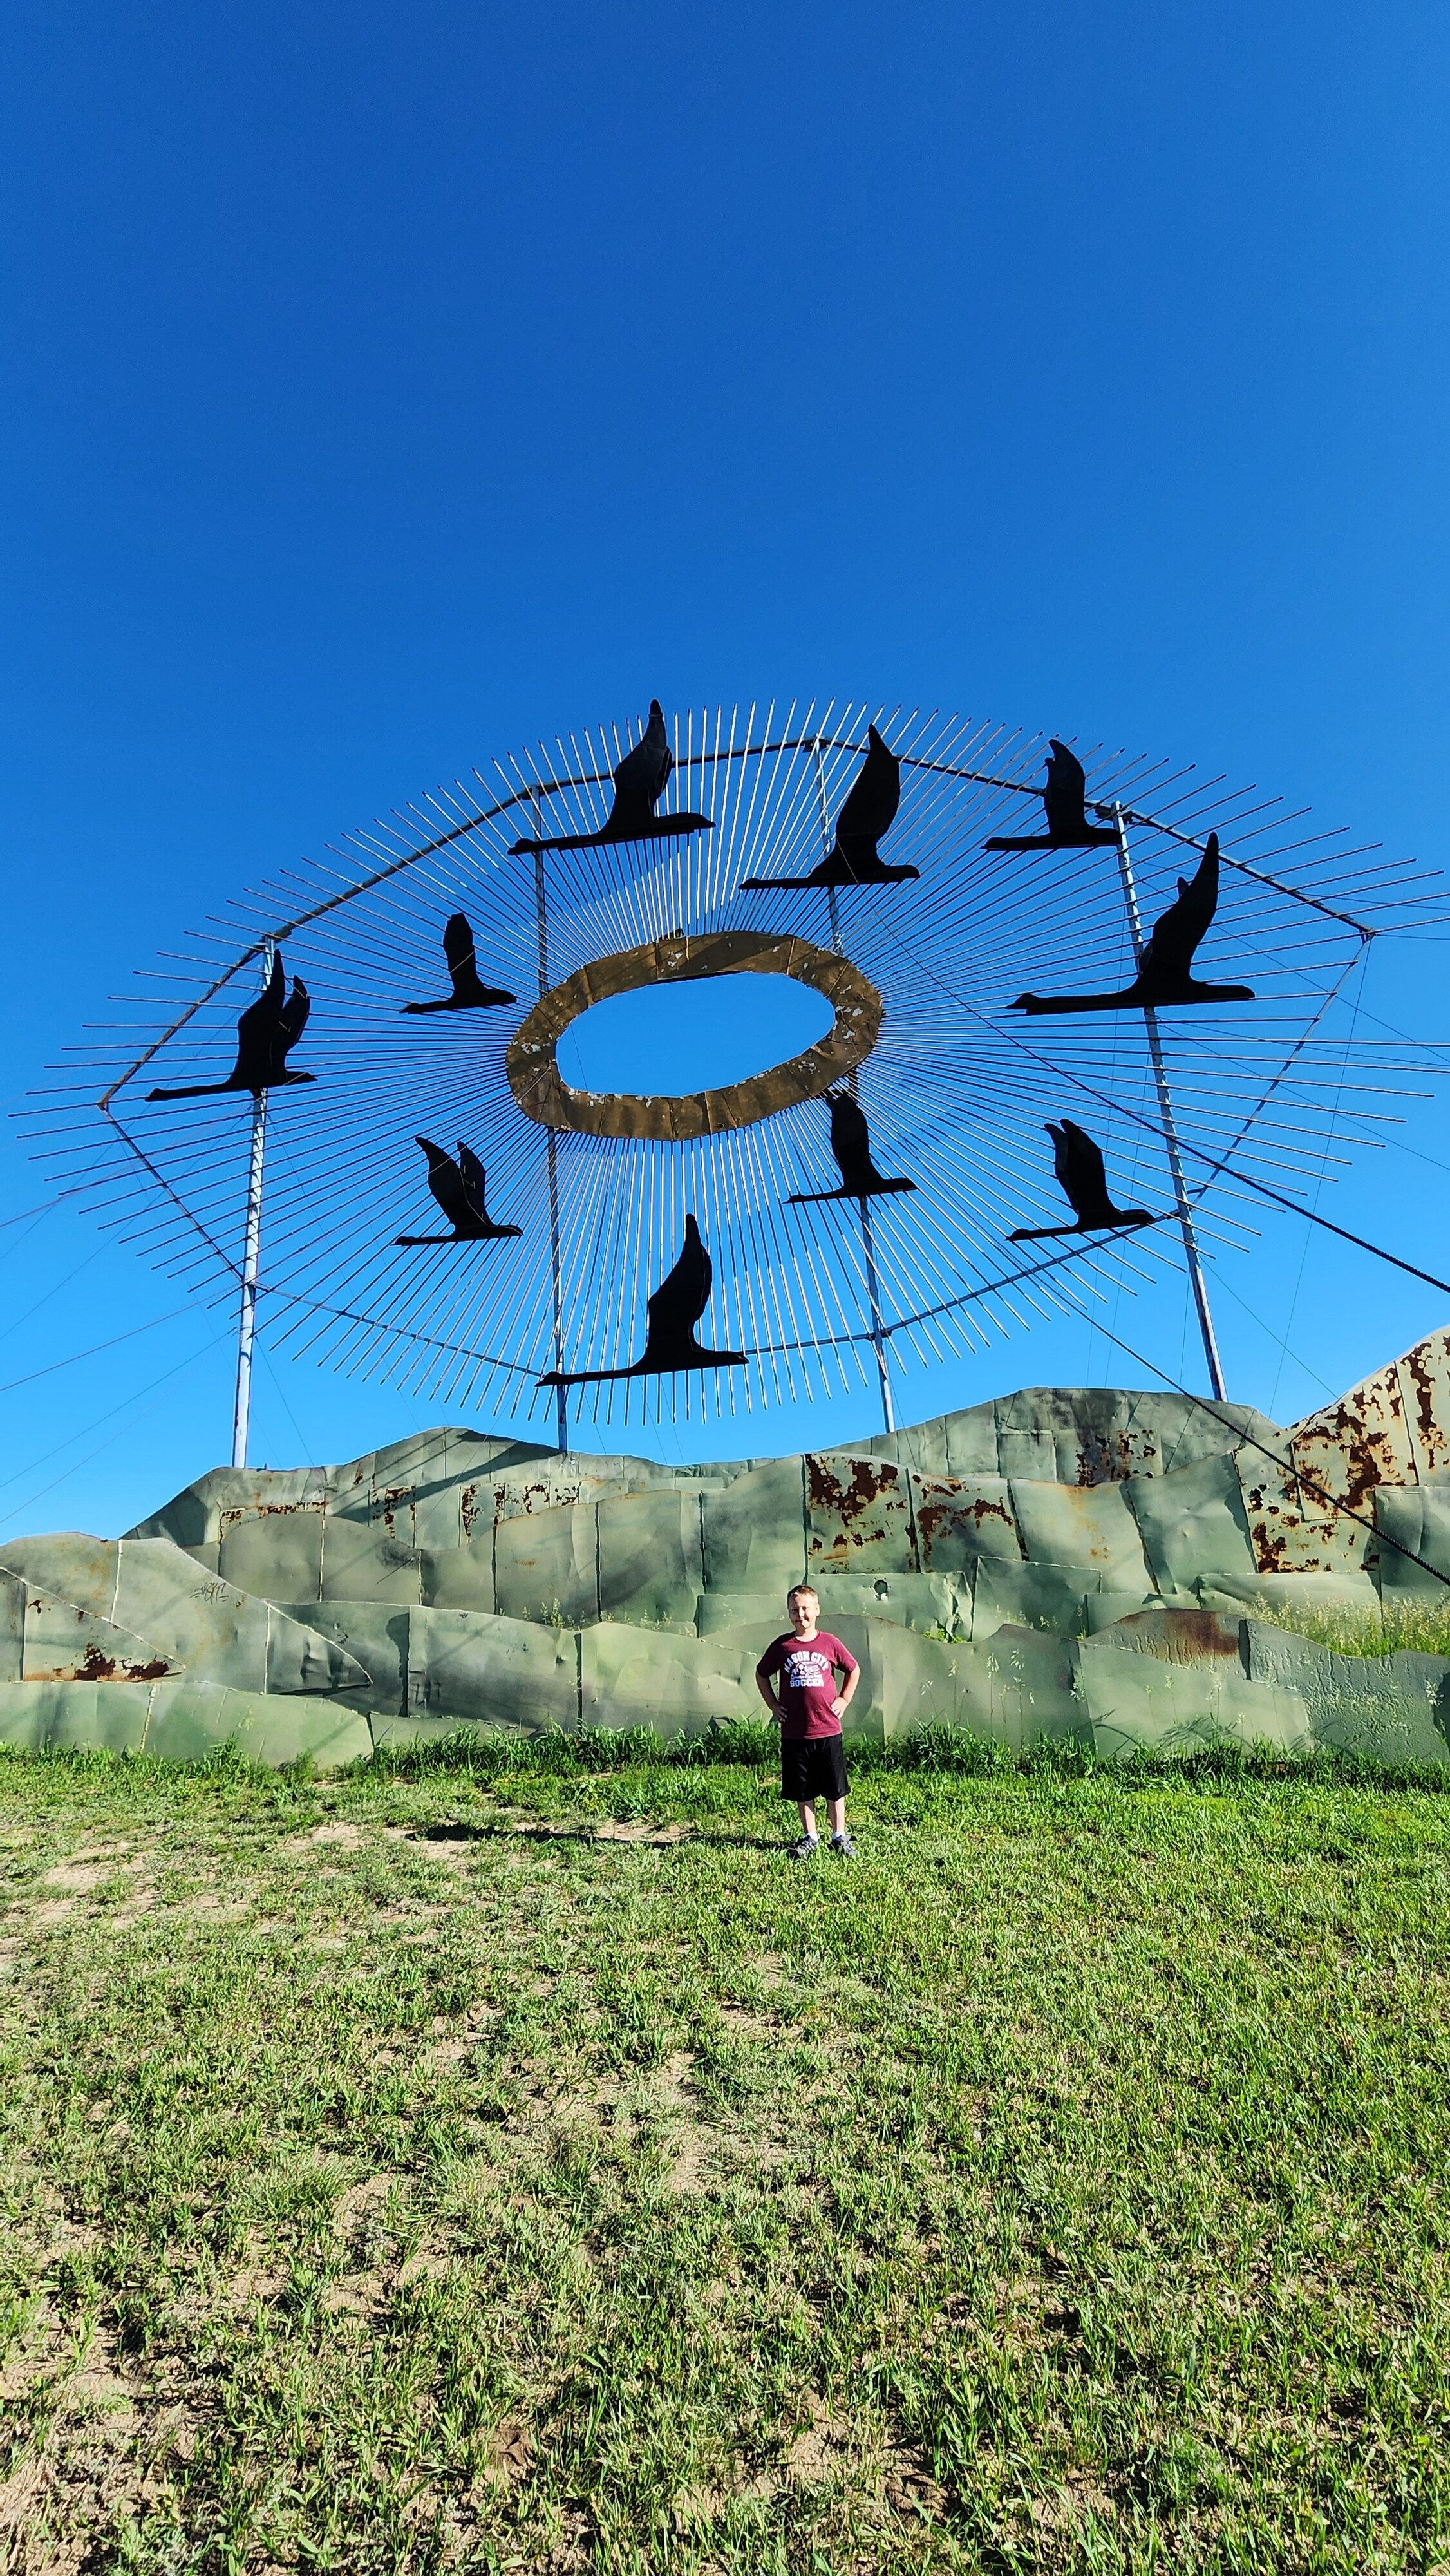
[1396, 1625]
[526, 2166]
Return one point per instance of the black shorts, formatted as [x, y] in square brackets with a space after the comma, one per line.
[812, 1768]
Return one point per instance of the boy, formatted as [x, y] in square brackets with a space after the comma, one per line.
[809, 1713]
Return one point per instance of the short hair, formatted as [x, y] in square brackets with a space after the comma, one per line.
[802, 1592]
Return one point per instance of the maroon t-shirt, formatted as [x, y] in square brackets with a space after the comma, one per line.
[807, 1667]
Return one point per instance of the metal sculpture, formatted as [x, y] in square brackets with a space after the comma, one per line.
[851, 1145]
[1065, 800]
[864, 820]
[1194, 1113]
[1165, 966]
[267, 1031]
[470, 993]
[459, 1190]
[671, 1344]
[1078, 1164]
[640, 779]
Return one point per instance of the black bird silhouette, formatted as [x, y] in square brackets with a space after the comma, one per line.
[1078, 1163]
[851, 1145]
[458, 1189]
[1065, 798]
[266, 1032]
[1165, 968]
[674, 1310]
[865, 819]
[639, 783]
[469, 992]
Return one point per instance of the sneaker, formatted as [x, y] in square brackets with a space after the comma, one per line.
[806, 1848]
[843, 1845]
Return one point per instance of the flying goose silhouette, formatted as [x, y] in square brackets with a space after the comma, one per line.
[864, 819]
[267, 1031]
[1065, 800]
[469, 992]
[459, 1190]
[674, 1310]
[639, 783]
[1165, 967]
[1078, 1163]
[851, 1145]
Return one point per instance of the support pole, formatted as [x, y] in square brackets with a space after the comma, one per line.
[552, 1150]
[1170, 1131]
[251, 1260]
[873, 1296]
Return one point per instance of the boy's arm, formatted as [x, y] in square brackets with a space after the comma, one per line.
[847, 1692]
[764, 1673]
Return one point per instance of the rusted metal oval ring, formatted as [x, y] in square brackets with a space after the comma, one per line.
[544, 1096]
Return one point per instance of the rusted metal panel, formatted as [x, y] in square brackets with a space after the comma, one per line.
[961, 1519]
[1358, 1442]
[1424, 1375]
[64, 1643]
[1291, 1530]
[1181, 1636]
[858, 1515]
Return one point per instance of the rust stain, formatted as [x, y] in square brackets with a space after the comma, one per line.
[468, 1509]
[854, 1506]
[1414, 1366]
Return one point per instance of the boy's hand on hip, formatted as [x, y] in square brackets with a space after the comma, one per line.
[838, 1706]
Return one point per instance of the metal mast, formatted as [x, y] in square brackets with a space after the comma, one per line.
[251, 1256]
[551, 1147]
[873, 1295]
[1170, 1131]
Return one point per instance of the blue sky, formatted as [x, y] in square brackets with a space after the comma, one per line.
[388, 387]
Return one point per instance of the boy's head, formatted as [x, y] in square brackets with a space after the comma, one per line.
[803, 1608]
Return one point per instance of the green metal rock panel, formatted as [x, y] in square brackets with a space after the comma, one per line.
[104, 1717]
[545, 1566]
[1193, 1525]
[677, 1685]
[651, 1562]
[512, 1673]
[373, 1635]
[460, 1578]
[858, 1516]
[761, 1614]
[277, 1552]
[1082, 1525]
[1419, 1517]
[1139, 1703]
[368, 1557]
[927, 1602]
[753, 1533]
[1030, 1596]
[13, 1593]
[155, 1589]
[471, 1668]
[190, 1721]
[1389, 1708]
[959, 1520]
